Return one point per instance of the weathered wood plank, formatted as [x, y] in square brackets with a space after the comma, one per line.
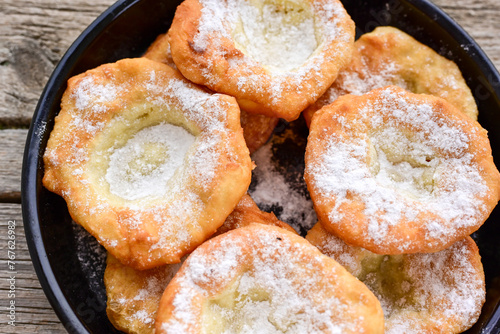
[480, 19]
[33, 37]
[33, 313]
[11, 157]
[31, 43]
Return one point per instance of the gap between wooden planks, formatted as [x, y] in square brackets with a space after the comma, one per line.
[33, 37]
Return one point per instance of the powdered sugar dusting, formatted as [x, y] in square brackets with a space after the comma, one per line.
[276, 295]
[92, 100]
[388, 56]
[92, 96]
[147, 173]
[449, 187]
[265, 32]
[216, 20]
[286, 39]
[418, 290]
[138, 303]
[178, 221]
[361, 81]
[144, 165]
[199, 106]
[272, 190]
[92, 258]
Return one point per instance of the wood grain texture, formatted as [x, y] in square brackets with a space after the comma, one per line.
[11, 157]
[480, 19]
[33, 312]
[33, 37]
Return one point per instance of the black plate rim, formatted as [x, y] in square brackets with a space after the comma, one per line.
[30, 180]
[30, 187]
[463, 38]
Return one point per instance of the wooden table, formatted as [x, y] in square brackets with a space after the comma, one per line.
[33, 37]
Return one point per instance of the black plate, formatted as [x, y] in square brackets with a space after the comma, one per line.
[125, 30]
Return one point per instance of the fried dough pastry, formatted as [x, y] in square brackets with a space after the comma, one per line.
[388, 56]
[160, 51]
[439, 292]
[396, 172]
[256, 128]
[134, 295]
[247, 212]
[275, 56]
[148, 163]
[264, 279]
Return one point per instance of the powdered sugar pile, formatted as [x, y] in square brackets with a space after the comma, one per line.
[266, 32]
[278, 179]
[272, 191]
[145, 164]
[207, 111]
[452, 187]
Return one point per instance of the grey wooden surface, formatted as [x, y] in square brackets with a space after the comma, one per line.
[34, 34]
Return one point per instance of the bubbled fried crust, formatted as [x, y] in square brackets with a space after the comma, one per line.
[440, 292]
[133, 94]
[246, 213]
[396, 172]
[388, 56]
[133, 295]
[220, 65]
[256, 128]
[320, 296]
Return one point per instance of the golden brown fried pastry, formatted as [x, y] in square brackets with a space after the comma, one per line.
[396, 172]
[160, 51]
[134, 295]
[388, 56]
[256, 128]
[439, 292]
[247, 212]
[275, 57]
[148, 163]
[264, 279]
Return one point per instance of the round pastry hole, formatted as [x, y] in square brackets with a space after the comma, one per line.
[280, 35]
[386, 277]
[147, 161]
[403, 162]
[237, 307]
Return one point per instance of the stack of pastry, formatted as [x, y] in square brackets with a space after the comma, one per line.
[400, 180]
[152, 156]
